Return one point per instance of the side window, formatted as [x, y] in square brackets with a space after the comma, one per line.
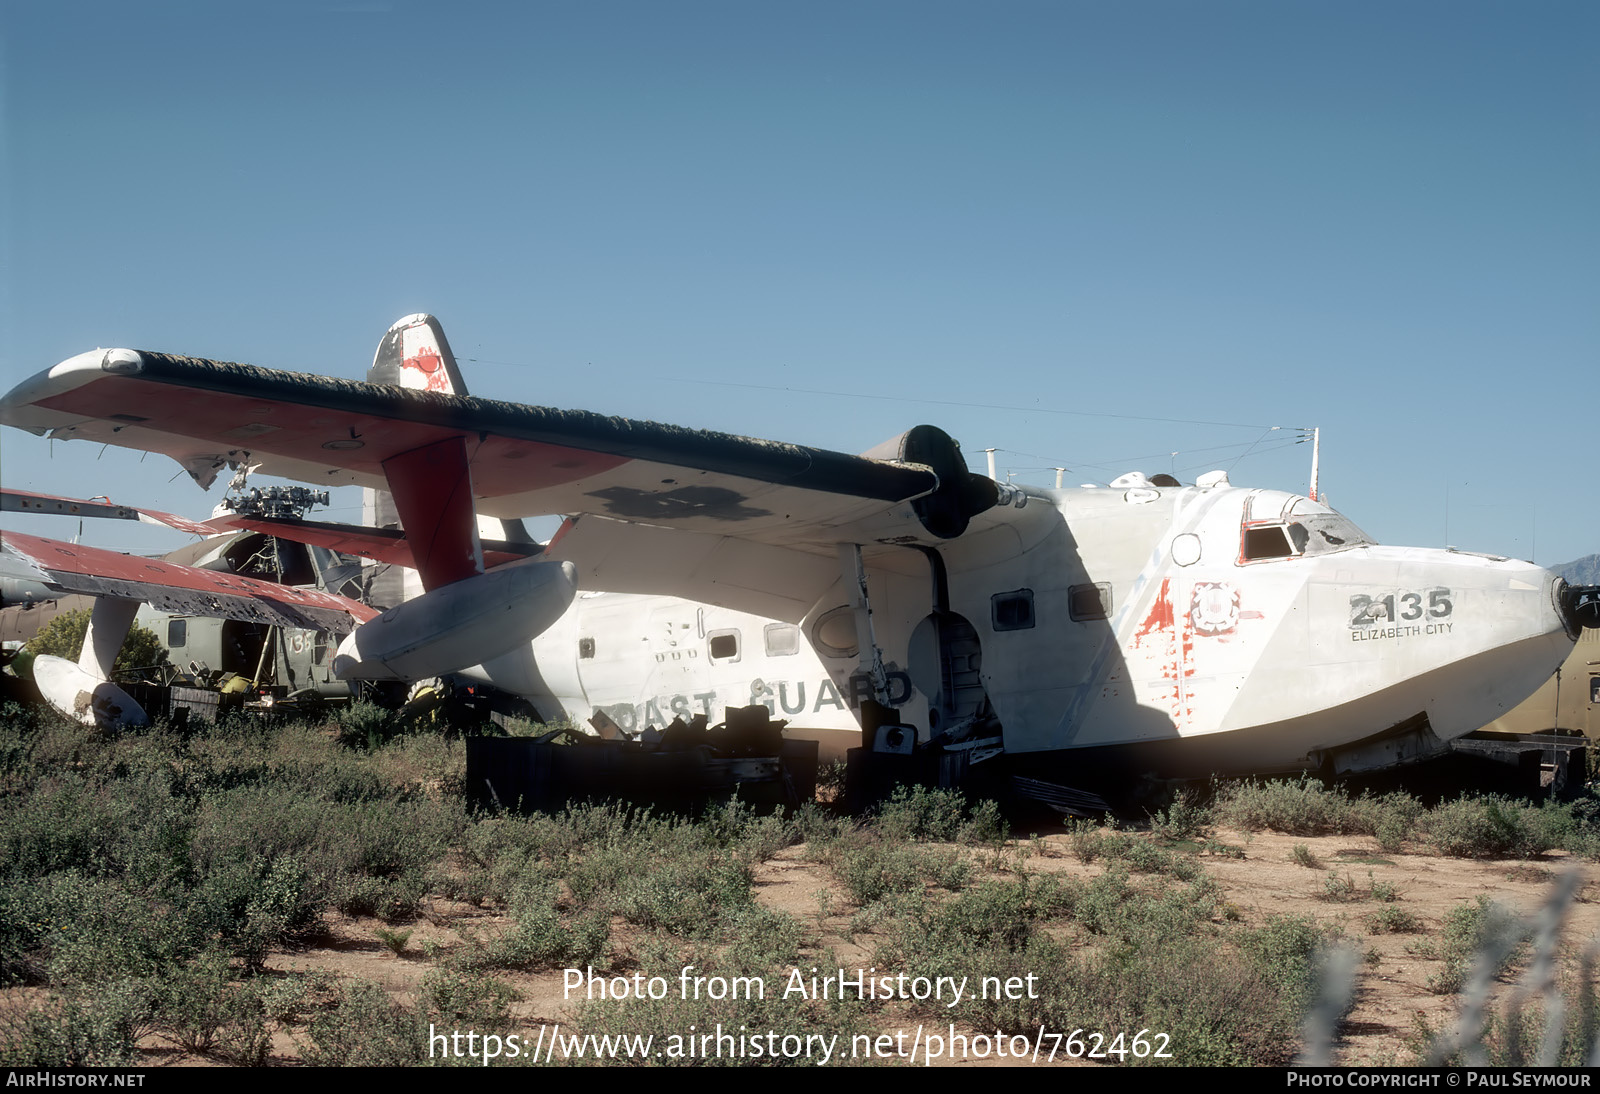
[782, 639]
[1012, 611]
[585, 648]
[1085, 602]
[177, 633]
[724, 646]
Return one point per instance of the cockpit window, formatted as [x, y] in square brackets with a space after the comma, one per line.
[1266, 541]
[1329, 532]
[1313, 534]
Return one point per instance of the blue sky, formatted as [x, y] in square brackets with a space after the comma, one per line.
[1088, 234]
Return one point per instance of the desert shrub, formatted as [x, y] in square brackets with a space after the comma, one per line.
[95, 822]
[125, 859]
[1182, 819]
[831, 780]
[67, 929]
[466, 1000]
[1492, 827]
[362, 1027]
[737, 825]
[1546, 1017]
[1305, 807]
[872, 869]
[201, 1009]
[394, 941]
[252, 905]
[688, 895]
[365, 856]
[97, 1031]
[1392, 830]
[1225, 997]
[1135, 852]
[542, 937]
[1472, 933]
[1086, 839]
[367, 725]
[1284, 951]
[938, 937]
[920, 813]
[1340, 889]
[392, 898]
[764, 938]
[817, 827]
[1393, 920]
[687, 1014]
[1111, 905]
[1385, 892]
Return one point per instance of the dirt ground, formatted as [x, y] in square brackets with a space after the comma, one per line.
[1270, 879]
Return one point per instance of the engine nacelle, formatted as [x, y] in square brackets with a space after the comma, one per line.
[459, 625]
[960, 495]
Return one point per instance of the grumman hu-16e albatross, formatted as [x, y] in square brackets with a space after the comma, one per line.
[1151, 626]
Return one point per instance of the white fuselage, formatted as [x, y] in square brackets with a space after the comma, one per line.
[1219, 629]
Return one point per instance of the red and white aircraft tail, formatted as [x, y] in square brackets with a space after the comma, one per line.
[414, 354]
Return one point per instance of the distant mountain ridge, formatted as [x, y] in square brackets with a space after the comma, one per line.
[1580, 571]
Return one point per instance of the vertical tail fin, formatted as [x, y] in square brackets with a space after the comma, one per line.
[414, 354]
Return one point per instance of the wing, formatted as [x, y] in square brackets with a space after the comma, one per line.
[523, 460]
[737, 521]
[43, 568]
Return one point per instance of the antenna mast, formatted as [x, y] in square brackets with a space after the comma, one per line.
[1316, 452]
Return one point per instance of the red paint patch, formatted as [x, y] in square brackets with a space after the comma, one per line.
[1160, 617]
[427, 359]
[431, 368]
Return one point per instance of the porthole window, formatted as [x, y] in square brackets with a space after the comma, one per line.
[782, 639]
[1085, 602]
[723, 646]
[1012, 611]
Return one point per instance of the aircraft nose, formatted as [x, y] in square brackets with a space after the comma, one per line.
[1578, 606]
